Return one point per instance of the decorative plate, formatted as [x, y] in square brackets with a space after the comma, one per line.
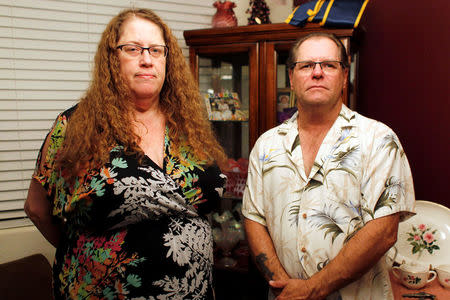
[424, 238]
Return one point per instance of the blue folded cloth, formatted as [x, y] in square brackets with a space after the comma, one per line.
[330, 13]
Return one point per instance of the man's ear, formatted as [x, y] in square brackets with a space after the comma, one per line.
[346, 79]
[290, 78]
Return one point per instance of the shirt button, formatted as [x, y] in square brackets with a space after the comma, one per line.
[303, 249]
[304, 216]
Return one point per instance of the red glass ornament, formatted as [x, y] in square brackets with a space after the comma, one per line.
[224, 16]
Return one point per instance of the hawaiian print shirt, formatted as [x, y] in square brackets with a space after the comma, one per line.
[360, 173]
[132, 230]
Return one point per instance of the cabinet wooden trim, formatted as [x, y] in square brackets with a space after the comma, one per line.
[256, 33]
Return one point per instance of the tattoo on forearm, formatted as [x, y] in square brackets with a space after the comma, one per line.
[260, 262]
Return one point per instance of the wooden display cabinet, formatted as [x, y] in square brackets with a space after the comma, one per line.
[250, 62]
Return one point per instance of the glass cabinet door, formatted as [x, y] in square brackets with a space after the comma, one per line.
[285, 100]
[228, 87]
[224, 84]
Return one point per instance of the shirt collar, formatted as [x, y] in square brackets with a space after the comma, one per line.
[289, 128]
[289, 124]
[346, 118]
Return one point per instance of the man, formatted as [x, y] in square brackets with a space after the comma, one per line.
[326, 189]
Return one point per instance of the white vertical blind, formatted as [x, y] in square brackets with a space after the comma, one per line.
[46, 52]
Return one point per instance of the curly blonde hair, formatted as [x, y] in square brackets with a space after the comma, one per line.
[104, 114]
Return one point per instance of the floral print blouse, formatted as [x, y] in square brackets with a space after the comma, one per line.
[360, 173]
[132, 231]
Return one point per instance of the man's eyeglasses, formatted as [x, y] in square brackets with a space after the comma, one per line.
[329, 67]
[156, 51]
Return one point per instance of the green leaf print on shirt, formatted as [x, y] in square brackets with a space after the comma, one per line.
[265, 171]
[322, 264]
[134, 280]
[391, 142]
[393, 187]
[328, 219]
[98, 264]
[346, 161]
[352, 234]
[97, 186]
[119, 163]
[57, 138]
[294, 209]
[296, 143]
[342, 115]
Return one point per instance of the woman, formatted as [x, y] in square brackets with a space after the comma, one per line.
[124, 178]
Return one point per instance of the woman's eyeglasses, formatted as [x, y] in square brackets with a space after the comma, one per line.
[156, 51]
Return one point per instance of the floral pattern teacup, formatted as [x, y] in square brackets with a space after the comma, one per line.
[443, 272]
[413, 276]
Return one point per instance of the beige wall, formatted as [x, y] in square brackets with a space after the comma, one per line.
[20, 242]
[279, 10]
